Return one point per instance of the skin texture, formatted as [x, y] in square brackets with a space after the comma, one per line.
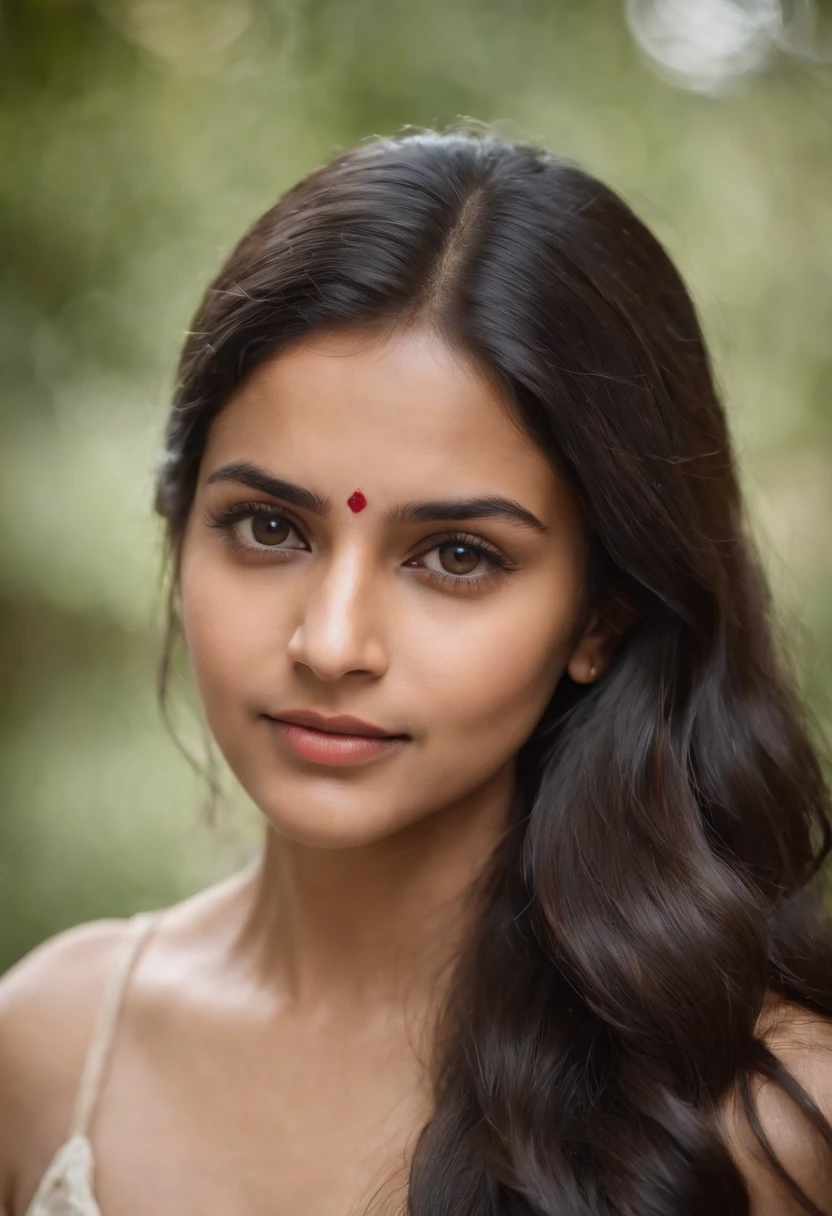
[339, 622]
[272, 1056]
[355, 618]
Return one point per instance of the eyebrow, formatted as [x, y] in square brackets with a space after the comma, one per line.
[491, 506]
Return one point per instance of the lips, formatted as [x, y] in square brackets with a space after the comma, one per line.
[337, 724]
[340, 740]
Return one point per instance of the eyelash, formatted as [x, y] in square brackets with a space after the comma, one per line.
[224, 522]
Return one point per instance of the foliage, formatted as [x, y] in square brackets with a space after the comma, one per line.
[139, 139]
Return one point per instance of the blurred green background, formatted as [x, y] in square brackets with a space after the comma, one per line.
[139, 138]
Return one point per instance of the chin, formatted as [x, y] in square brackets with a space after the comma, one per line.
[347, 825]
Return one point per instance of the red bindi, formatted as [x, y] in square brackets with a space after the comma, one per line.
[356, 501]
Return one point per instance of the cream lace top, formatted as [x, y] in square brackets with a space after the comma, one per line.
[66, 1188]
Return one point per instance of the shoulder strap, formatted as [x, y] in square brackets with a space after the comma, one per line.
[138, 928]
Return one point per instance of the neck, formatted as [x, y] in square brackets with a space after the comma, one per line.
[378, 922]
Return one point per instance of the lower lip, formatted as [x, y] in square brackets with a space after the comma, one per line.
[324, 747]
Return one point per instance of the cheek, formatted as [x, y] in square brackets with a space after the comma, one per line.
[487, 682]
[227, 632]
[471, 678]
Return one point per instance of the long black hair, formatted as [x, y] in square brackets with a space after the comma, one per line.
[660, 875]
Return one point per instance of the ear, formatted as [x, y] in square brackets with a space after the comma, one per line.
[596, 646]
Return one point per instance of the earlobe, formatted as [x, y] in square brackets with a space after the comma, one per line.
[586, 659]
[602, 634]
[582, 667]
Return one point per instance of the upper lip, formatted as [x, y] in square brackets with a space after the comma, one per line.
[338, 724]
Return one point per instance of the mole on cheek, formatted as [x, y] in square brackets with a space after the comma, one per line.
[356, 501]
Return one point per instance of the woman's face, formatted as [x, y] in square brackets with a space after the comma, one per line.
[369, 590]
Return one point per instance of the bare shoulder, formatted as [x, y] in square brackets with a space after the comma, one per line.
[48, 1003]
[802, 1042]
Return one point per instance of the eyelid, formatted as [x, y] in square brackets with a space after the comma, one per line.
[241, 510]
[471, 541]
[224, 519]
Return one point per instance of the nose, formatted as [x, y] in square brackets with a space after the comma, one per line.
[339, 631]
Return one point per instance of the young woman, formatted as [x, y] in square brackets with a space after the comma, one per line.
[462, 572]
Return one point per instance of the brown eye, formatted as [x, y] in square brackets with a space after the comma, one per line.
[458, 559]
[269, 529]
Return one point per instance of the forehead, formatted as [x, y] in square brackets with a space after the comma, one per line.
[391, 413]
